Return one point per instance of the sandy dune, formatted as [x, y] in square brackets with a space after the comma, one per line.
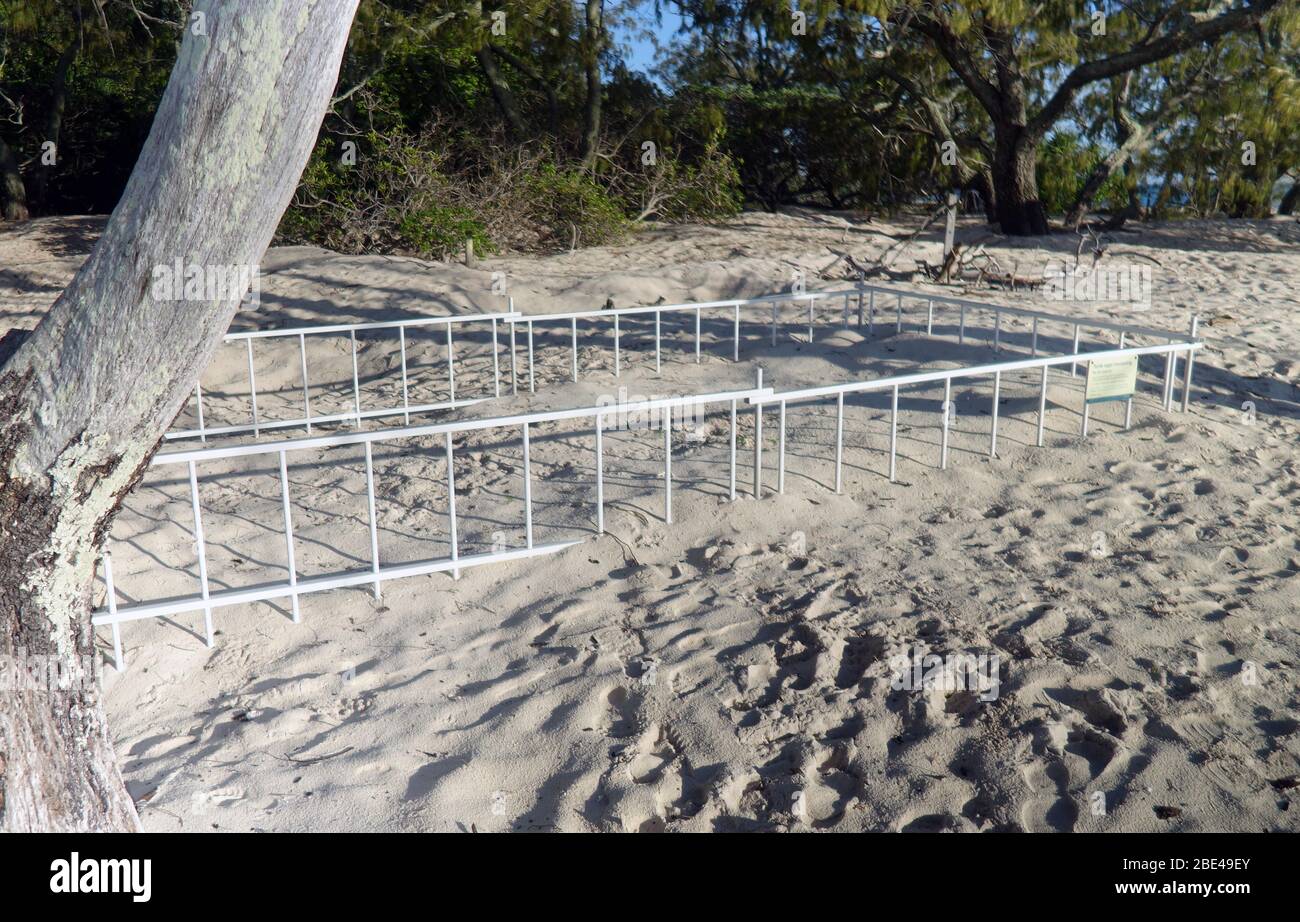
[731, 671]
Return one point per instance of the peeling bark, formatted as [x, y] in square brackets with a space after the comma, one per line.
[84, 400]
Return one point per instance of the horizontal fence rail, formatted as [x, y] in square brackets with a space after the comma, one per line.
[861, 301]
[292, 587]
[308, 419]
[895, 383]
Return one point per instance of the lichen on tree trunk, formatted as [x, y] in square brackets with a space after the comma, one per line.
[85, 399]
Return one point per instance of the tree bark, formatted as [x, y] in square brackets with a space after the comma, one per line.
[85, 399]
[13, 193]
[593, 41]
[1015, 183]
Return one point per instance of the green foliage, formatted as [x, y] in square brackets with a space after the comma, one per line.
[1064, 163]
[442, 229]
[850, 114]
[569, 204]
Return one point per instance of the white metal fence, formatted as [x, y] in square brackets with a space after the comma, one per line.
[257, 423]
[864, 302]
[862, 299]
[292, 587]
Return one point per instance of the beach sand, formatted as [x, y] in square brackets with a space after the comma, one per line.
[734, 670]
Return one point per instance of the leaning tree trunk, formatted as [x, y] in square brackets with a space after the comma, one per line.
[85, 399]
[1015, 183]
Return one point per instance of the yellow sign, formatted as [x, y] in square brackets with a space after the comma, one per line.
[1111, 379]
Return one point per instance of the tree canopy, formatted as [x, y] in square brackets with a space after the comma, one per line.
[522, 125]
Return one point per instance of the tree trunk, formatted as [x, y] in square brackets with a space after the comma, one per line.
[501, 94]
[1290, 200]
[593, 40]
[1015, 183]
[54, 120]
[85, 399]
[13, 194]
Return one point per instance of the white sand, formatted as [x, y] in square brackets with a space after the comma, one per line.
[716, 673]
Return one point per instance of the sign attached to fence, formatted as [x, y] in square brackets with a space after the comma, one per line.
[1111, 379]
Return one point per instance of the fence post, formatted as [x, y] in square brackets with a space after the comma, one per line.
[1168, 395]
[451, 507]
[406, 401]
[496, 361]
[947, 414]
[618, 361]
[1187, 367]
[668, 465]
[198, 396]
[733, 451]
[893, 436]
[532, 377]
[252, 385]
[288, 538]
[997, 393]
[1042, 407]
[780, 454]
[735, 352]
[1083, 425]
[451, 367]
[202, 553]
[839, 439]
[356, 381]
[514, 363]
[573, 330]
[600, 478]
[697, 336]
[528, 493]
[658, 364]
[758, 437]
[112, 610]
[374, 523]
[306, 398]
